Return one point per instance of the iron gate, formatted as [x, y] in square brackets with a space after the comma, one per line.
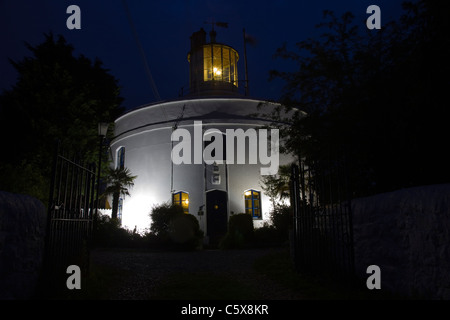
[323, 230]
[69, 220]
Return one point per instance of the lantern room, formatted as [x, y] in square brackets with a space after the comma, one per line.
[213, 66]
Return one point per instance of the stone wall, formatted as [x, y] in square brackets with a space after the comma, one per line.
[22, 233]
[407, 234]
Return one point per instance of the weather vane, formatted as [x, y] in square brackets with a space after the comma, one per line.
[218, 24]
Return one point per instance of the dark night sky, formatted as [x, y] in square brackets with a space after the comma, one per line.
[164, 28]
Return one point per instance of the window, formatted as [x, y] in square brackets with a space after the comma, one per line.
[215, 178]
[253, 203]
[226, 64]
[120, 207]
[181, 198]
[220, 63]
[121, 158]
[207, 64]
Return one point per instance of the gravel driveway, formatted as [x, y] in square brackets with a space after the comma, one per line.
[144, 271]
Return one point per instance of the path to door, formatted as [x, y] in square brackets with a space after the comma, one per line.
[145, 272]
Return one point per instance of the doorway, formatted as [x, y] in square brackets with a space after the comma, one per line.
[216, 215]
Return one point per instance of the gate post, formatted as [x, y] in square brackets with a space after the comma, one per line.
[47, 261]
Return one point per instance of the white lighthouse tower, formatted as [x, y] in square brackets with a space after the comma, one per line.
[168, 145]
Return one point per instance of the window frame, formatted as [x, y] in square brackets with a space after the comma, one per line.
[181, 199]
[120, 163]
[222, 57]
[120, 209]
[255, 211]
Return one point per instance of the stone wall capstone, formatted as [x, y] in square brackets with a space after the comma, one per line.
[22, 237]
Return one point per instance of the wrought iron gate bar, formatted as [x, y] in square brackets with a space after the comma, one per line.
[323, 231]
[70, 217]
[75, 164]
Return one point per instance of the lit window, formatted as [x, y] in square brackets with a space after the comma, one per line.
[226, 64]
[253, 203]
[181, 198]
[121, 158]
[220, 63]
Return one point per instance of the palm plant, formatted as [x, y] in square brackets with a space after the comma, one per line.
[277, 187]
[119, 180]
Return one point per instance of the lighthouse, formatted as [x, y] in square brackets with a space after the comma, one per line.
[205, 150]
[213, 66]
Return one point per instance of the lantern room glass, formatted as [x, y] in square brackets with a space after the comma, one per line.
[220, 63]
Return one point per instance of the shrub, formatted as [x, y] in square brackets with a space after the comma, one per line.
[162, 215]
[108, 233]
[281, 217]
[175, 228]
[240, 232]
[267, 235]
[184, 232]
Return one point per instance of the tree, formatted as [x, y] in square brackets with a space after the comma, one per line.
[373, 98]
[277, 187]
[57, 97]
[119, 180]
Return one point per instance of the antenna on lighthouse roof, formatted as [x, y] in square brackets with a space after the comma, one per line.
[245, 63]
[252, 41]
[219, 24]
[212, 33]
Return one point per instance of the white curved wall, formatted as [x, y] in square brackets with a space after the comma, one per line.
[146, 135]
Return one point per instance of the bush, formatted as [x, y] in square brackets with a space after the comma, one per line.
[108, 233]
[161, 216]
[240, 232]
[281, 217]
[185, 233]
[174, 228]
[267, 235]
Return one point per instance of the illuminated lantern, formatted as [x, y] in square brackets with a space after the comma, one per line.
[213, 66]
